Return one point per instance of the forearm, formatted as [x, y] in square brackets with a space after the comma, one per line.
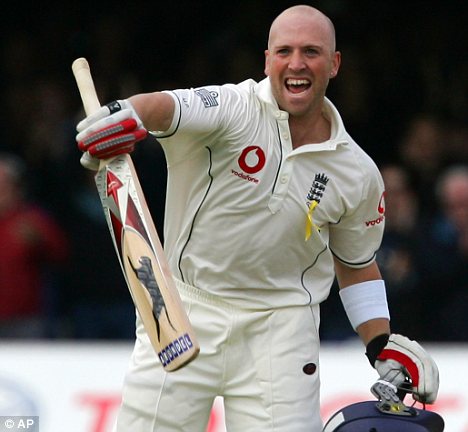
[348, 277]
[395, 357]
[156, 110]
[370, 329]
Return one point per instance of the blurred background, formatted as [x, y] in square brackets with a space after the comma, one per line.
[402, 91]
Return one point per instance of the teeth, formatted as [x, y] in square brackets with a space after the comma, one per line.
[297, 82]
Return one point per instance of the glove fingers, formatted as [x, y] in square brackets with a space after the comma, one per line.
[417, 365]
[107, 133]
[97, 125]
[114, 145]
[100, 114]
[426, 386]
[117, 151]
[390, 371]
[112, 130]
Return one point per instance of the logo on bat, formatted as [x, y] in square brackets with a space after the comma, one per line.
[176, 348]
[146, 277]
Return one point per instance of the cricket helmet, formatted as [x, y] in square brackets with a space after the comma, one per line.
[389, 414]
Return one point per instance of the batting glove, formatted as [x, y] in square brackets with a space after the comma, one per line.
[398, 359]
[112, 130]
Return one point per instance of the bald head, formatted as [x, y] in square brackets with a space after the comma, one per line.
[300, 60]
[307, 15]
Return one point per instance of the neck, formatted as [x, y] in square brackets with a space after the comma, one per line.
[309, 130]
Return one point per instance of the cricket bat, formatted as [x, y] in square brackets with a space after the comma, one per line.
[139, 250]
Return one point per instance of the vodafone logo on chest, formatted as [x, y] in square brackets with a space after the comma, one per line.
[251, 161]
[381, 211]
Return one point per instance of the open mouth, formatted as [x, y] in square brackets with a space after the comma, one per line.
[297, 85]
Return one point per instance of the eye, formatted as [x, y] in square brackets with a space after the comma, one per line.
[282, 51]
[312, 52]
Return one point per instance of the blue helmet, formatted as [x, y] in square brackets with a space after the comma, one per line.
[386, 415]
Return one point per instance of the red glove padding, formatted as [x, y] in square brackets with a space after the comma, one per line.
[401, 358]
[112, 130]
[113, 140]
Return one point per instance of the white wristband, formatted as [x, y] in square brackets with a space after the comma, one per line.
[365, 301]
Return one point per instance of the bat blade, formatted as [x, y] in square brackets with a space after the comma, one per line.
[176, 349]
[139, 250]
[144, 265]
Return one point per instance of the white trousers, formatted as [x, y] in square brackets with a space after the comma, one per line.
[254, 359]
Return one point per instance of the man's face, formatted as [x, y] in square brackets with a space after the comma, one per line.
[300, 61]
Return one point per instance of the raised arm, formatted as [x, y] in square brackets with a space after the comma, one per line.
[117, 126]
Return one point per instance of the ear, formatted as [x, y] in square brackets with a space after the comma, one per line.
[336, 62]
[267, 63]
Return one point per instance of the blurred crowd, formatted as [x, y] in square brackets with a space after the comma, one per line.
[402, 91]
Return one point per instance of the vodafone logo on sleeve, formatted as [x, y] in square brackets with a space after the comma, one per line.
[251, 161]
[381, 210]
[381, 206]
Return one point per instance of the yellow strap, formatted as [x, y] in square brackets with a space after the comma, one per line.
[309, 222]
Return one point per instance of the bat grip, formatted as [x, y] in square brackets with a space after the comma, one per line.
[91, 104]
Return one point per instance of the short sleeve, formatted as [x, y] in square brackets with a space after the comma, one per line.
[356, 237]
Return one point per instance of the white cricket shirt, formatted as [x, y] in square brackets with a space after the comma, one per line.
[238, 198]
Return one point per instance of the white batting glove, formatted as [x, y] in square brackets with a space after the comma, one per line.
[397, 358]
[112, 130]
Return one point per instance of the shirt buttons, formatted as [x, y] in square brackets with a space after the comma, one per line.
[284, 179]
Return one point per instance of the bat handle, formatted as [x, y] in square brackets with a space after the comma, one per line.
[90, 100]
